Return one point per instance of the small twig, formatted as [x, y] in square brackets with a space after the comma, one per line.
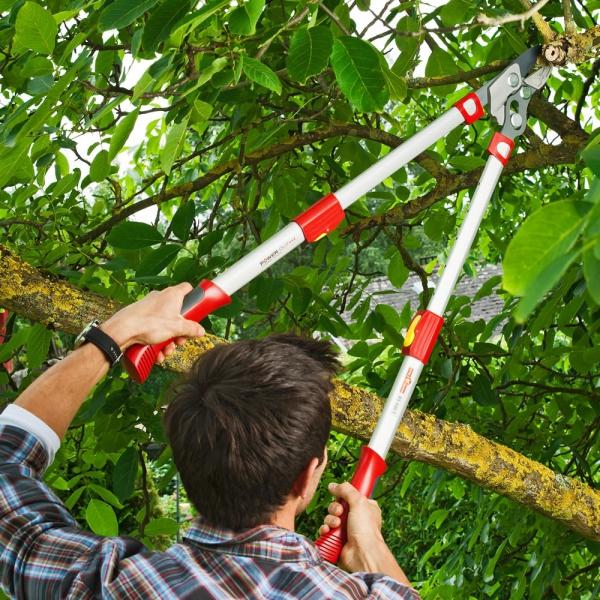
[145, 492]
[521, 17]
[539, 22]
[10, 222]
[291, 23]
[568, 13]
[334, 18]
[586, 88]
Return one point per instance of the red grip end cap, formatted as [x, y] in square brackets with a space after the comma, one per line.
[321, 218]
[422, 335]
[331, 544]
[470, 108]
[501, 147]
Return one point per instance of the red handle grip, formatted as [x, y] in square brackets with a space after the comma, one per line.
[370, 467]
[199, 303]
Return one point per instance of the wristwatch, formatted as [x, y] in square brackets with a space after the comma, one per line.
[92, 333]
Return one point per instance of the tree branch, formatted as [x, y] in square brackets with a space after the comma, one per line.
[451, 446]
[460, 77]
[521, 17]
[541, 156]
[576, 48]
[252, 158]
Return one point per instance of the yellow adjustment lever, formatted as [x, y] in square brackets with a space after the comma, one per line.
[410, 334]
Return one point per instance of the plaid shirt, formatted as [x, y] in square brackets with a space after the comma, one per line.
[44, 553]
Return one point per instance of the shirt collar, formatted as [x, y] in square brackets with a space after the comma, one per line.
[264, 541]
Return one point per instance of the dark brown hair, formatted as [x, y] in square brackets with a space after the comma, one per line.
[246, 420]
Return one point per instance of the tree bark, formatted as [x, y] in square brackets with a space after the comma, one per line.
[451, 446]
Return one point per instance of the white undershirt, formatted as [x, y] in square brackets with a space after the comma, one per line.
[21, 417]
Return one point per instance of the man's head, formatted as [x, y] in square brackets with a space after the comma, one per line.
[247, 421]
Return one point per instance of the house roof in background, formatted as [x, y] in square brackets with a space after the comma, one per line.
[383, 292]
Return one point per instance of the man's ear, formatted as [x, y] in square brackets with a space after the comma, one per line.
[303, 481]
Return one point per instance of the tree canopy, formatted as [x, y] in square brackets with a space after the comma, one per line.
[145, 143]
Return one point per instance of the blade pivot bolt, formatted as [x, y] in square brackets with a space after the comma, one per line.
[514, 80]
[525, 92]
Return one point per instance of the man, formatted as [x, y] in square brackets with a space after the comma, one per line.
[248, 428]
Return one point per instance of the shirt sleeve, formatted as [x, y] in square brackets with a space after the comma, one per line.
[382, 587]
[18, 416]
[43, 552]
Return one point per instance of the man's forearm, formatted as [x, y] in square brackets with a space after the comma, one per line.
[56, 396]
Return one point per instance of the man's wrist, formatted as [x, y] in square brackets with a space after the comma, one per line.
[379, 559]
[374, 556]
[118, 331]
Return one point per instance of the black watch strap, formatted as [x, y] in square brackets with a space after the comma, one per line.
[92, 333]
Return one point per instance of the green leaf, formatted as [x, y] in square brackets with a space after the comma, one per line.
[71, 501]
[201, 111]
[397, 271]
[35, 28]
[584, 360]
[38, 343]
[591, 270]
[436, 225]
[408, 45]
[100, 167]
[390, 316]
[132, 235]
[125, 473]
[158, 260]
[455, 12]
[121, 133]
[591, 156]
[18, 339]
[482, 390]
[309, 52]
[37, 66]
[546, 278]
[162, 21]
[101, 518]
[488, 574]
[66, 184]
[546, 234]
[395, 82]
[183, 219]
[243, 19]
[261, 74]
[466, 163]
[105, 494]
[121, 13]
[173, 145]
[441, 63]
[358, 73]
[161, 526]
[15, 164]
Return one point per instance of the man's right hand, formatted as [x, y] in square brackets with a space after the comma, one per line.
[365, 549]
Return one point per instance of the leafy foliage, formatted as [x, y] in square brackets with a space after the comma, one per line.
[215, 125]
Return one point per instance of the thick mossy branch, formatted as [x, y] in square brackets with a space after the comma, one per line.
[574, 48]
[452, 446]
